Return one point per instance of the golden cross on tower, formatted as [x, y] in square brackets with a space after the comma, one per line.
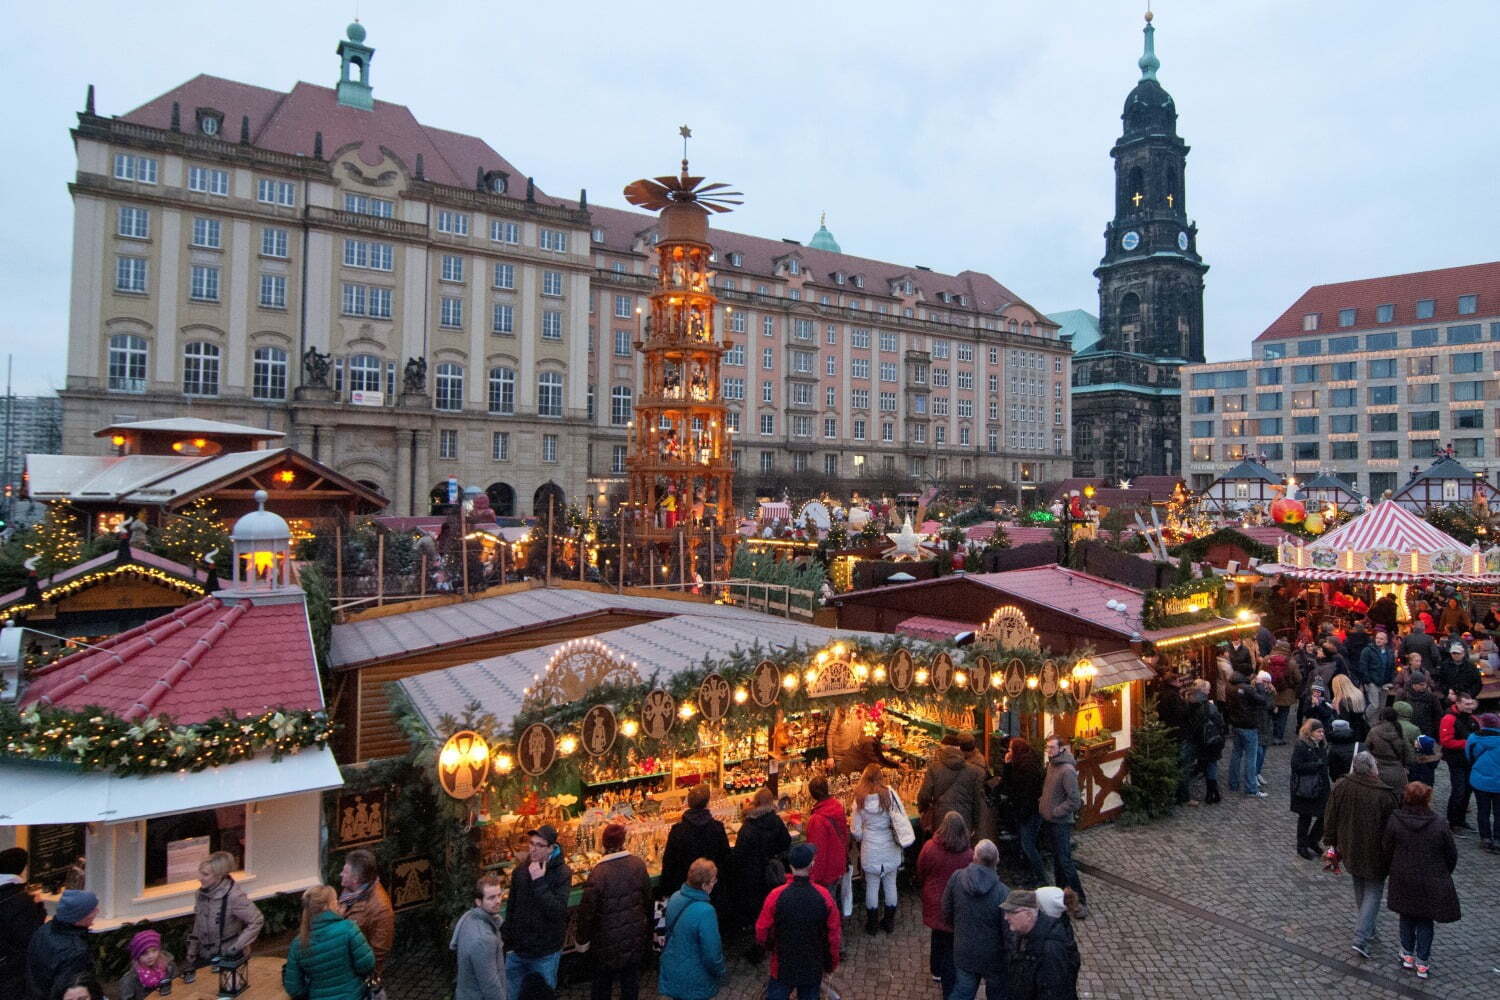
[1171, 201]
[1137, 199]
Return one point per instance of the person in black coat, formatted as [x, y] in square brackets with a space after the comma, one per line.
[1340, 737]
[1421, 854]
[1310, 786]
[1041, 957]
[21, 914]
[696, 835]
[762, 837]
[59, 949]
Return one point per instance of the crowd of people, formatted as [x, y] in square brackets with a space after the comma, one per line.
[1376, 712]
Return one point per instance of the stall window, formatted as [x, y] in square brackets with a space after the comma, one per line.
[177, 845]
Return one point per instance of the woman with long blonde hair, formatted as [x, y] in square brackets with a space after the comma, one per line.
[880, 826]
[329, 958]
[1349, 704]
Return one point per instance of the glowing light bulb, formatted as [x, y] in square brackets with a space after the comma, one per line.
[996, 681]
[567, 745]
[504, 763]
[880, 675]
[960, 678]
[686, 711]
[1032, 682]
[740, 696]
[789, 682]
[861, 671]
[921, 676]
[450, 757]
[629, 728]
[811, 676]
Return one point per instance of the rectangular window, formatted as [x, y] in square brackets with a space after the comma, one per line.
[1427, 393]
[1268, 426]
[453, 223]
[447, 443]
[451, 312]
[1344, 450]
[1385, 313]
[617, 460]
[768, 326]
[1381, 341]
[552, 239]
[365, 205]
[767, 461]
[453, 267]
[205, 284]
[1268, 401]
[802, 329]
[1424, 420]
[1304, 425]
[275, 192]
[549, 447]
[141, 169]
[1425, 308]
[887, 341]
[801, 426]
[830, 364]
[130, 274]
[1303, 374]
[623, 304]
[134, 223]
[859, 338]
[1424, 338]
[1273, 352]
[768, 424]
[1465, 391]
[1468, 447]
[859, 399]
[767, 391]
[549, 394]
[735, 356]
[1339, 398]
[1201, 429]
[505, 276]
[1468, 420]
[887, 371]
[273, 243]
[1466, 362]
[1305, 399]
[1384, 449]
[622, 343]
[552, 283]
[1468, 305]
[1469, 333]
[355, 300]
[1201, 404]
[1343, 345]
[273, 291]
[1310, 321]
[734, 388]
[505, 232]
[1311, 347]
[500, 446]
[919, 404]
[207, 233]
[1382, 395]
[887, 402]
[1341, 371]
[1346, 318]
[1268, 376]
[207, 180]
[1381, 368]
[1305, 451]
[551, 324]
[1382, 423]
[503, 319]
[801, 394]
[859, 368]
[221, 829]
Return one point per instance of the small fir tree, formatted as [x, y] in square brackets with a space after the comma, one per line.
[193, 533]
[55, 542]
[1151, 792]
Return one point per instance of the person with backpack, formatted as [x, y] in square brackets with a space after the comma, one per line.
[800, 926]
[1482, 748]
[1208, 732]
[692, 960]
[757, 856]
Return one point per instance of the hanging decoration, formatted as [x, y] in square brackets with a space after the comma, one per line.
[600, 727]
[980, 672]
[579, 667]
[1015, 678]
[463, 764]
[713, 698]
[942, 673]
[835, 672]
[657, 714]
[1049, 678]
[765, 684]
[537, 748]
[1007, 628]
[901, 670]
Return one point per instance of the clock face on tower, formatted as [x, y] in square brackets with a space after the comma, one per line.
[1182, 241]
[1130, 240]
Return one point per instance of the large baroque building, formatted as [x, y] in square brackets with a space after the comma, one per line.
[409, 307]
[1363, 379]
[1126, 386]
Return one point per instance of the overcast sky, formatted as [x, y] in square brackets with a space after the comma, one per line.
[1330, 140]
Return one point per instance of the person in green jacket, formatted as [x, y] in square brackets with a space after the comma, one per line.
[329, 958]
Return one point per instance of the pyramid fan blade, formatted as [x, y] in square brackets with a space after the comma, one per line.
[710, 187]
[671, 181]
[690, 183]
[647, 194]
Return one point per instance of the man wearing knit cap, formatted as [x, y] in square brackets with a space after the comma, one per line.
[60, 949]
[21, 914]
[1041, 957]
[801, 928]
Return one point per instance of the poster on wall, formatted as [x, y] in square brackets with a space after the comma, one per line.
[361, 818]
[57, 852]
[184, 856]
[411, 883]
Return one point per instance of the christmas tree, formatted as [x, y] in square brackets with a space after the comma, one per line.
[193, 533]
[55, 543]
[1151, 792]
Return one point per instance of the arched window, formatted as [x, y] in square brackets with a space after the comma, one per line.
[1015, 327]
[503, 390]
[621, 398]
[268, 380]
[549, 394]
[502, 499]
[200, 369]
[364, 373]
[450, 386]
[1026, 329]
[127, 363]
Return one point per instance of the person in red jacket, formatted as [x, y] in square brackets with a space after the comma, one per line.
[828, 831]
[947, 852]
[801, 928]
[1453, 737]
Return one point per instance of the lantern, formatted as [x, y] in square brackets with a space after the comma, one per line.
[234, 974]
[262, 549]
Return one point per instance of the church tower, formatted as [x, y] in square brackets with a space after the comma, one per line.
[1127, 391]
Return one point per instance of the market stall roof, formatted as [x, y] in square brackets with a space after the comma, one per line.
[1328, 484]
[666, 647]
[1389, 544]
[1120, 666]
[359, 643]
[1108, 492]
[933, 629]
[1252, 471]
[39, 793]
[192, 425]
[1019, 534]
[193, 664]
[139, 562]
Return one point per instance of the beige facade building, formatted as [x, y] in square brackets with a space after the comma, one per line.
[409, 308]
[1366, 380]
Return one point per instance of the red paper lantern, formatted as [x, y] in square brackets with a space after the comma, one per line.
[1284, 511]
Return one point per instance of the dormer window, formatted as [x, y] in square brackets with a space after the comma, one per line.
[496, 181]
[960, 299]
[598, 234]
[1310, 321]
[906, 288]
[737, 260]
[838, 277]
[210, 122]
[713, 256]
[859, 281]
[794, 266]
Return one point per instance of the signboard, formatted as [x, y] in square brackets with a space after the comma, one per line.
[453, 489]
[713, 698]
[765, 684]
[184, 857]
[56, 850]
[1188, 604]
[361, 818]
[537, 748]
[599, 730]
[463, 764]
[364, 397]
[411, 883]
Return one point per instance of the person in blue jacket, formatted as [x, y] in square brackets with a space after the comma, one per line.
[692, 962]
[1483, 751]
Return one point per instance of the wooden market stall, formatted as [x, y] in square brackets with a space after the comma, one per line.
[105, 595]
[1444, 483]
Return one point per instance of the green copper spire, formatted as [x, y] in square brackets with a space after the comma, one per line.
[823, 239]
[1148, 63]
[354, 88]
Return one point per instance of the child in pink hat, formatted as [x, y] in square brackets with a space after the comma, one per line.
[151, 968]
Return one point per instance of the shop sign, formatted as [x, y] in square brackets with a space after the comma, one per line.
[765, 684]
[834, 677]
[411, 883]
[657, 714]
[1015, 678]
[1188, 604]
[714, 697]
[361, 818]
[1049, 679]
[599, 730]
[536, 750]
[57, 849]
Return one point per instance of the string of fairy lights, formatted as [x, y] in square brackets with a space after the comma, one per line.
[58, 592]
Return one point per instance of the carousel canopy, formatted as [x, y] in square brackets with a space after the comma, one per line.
[1389, 544]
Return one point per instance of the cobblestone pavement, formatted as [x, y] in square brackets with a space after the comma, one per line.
[1211, 903]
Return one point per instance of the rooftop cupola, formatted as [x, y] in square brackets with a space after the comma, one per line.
[355, 93]
[823, 239]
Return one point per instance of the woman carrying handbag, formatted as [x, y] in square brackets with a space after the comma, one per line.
[1310, 786]
[883, 831]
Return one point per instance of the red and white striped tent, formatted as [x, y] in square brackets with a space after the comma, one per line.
[1389, 544]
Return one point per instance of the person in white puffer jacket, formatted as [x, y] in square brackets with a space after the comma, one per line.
[875, 826]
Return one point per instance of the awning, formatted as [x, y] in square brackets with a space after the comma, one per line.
[932, 629]
[1372, 576]
[1119, 667]
[53, 793]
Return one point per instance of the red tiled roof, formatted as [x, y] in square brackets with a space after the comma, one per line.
[289, 123]
[932, 629]
[1443, 286]
[982, 293]
[193, 664]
